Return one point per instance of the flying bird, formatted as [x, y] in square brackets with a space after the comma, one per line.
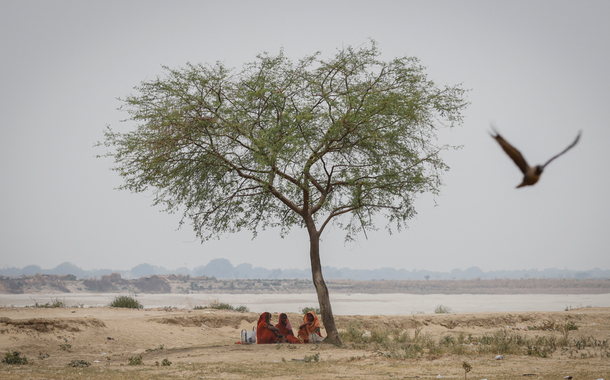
[531, 174]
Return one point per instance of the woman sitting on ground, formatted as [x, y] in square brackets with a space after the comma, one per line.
[285, 328]
[309, 331]
[267, 333]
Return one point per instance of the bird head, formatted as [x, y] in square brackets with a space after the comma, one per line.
[539, 169]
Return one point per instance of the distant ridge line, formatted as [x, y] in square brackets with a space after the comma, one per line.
[223, 269]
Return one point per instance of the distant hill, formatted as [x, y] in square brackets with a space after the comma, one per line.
[223, 269]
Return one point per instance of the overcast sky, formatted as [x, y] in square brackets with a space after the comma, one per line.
[539, 70]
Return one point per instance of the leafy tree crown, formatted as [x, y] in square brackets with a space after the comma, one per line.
[279, 143]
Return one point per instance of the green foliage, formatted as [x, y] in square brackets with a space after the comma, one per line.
[79, 363]
[399, 344]
[305, 310]
[447, 341]
[14, 358]
[279, 141]
[54, 303]
[126, 301]
[160, 348]
[43, 356]
[467, 368]
[65, 347]
[225, 306]
[570, 325]
[135, 360]
[353, 334]
[312, 358]
[166, 362]
[440, 309]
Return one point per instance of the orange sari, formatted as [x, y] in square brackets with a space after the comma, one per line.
[263, 334]
[286, 330]
[308, 327]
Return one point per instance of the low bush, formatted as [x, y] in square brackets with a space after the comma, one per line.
[312, 358]
[305, 310]
[52, 304]
[79, 364]
[440, 309]
[135, 360]
[224, 306]
[14, 358]
[126, 301]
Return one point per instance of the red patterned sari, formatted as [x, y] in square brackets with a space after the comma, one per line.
[264, 334]
[285, 328]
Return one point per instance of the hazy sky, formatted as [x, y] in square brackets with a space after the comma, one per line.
[540, 70]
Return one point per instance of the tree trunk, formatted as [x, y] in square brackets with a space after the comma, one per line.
[323, 298]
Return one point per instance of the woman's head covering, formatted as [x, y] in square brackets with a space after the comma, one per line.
[311, 328]
[263, 318]
[287, 324]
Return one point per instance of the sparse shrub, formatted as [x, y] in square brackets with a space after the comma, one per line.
[166, 362]
[412, 351]
[65, 347]
[353, 334]
[570, 326]
[14, 358]
[399, 336]
[126, 301]
[305, 310]
[398, 344]
[79, 363]
[380, 336]
[537, 351]
[52, 304]
[467, 368]
[447, 340]
[312, 358]
[42, 356]
[160, 348]
[135, 360]
[440, 309]
[225, 306]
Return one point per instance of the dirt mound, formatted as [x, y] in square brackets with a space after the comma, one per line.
[45, 325]
[451, 321]
[210, 320]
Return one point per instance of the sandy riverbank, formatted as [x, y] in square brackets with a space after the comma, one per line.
[202, 344]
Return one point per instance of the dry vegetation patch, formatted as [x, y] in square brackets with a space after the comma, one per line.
[45, 325]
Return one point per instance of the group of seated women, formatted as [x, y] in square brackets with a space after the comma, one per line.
[309, 331]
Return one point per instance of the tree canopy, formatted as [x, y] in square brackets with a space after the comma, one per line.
[284, 144]
[262, 146]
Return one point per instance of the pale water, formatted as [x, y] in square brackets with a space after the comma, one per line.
[342, 304]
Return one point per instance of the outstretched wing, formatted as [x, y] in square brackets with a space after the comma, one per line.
[512, 152]
[565, 150]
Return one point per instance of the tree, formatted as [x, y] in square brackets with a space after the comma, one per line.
[284, 144]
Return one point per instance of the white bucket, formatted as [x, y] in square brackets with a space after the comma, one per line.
[248, 337]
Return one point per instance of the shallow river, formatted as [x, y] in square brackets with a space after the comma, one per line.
[343, 304]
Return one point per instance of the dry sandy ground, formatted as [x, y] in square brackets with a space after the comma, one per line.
[201, 344]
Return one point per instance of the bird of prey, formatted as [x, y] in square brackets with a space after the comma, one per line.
[531, 174]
